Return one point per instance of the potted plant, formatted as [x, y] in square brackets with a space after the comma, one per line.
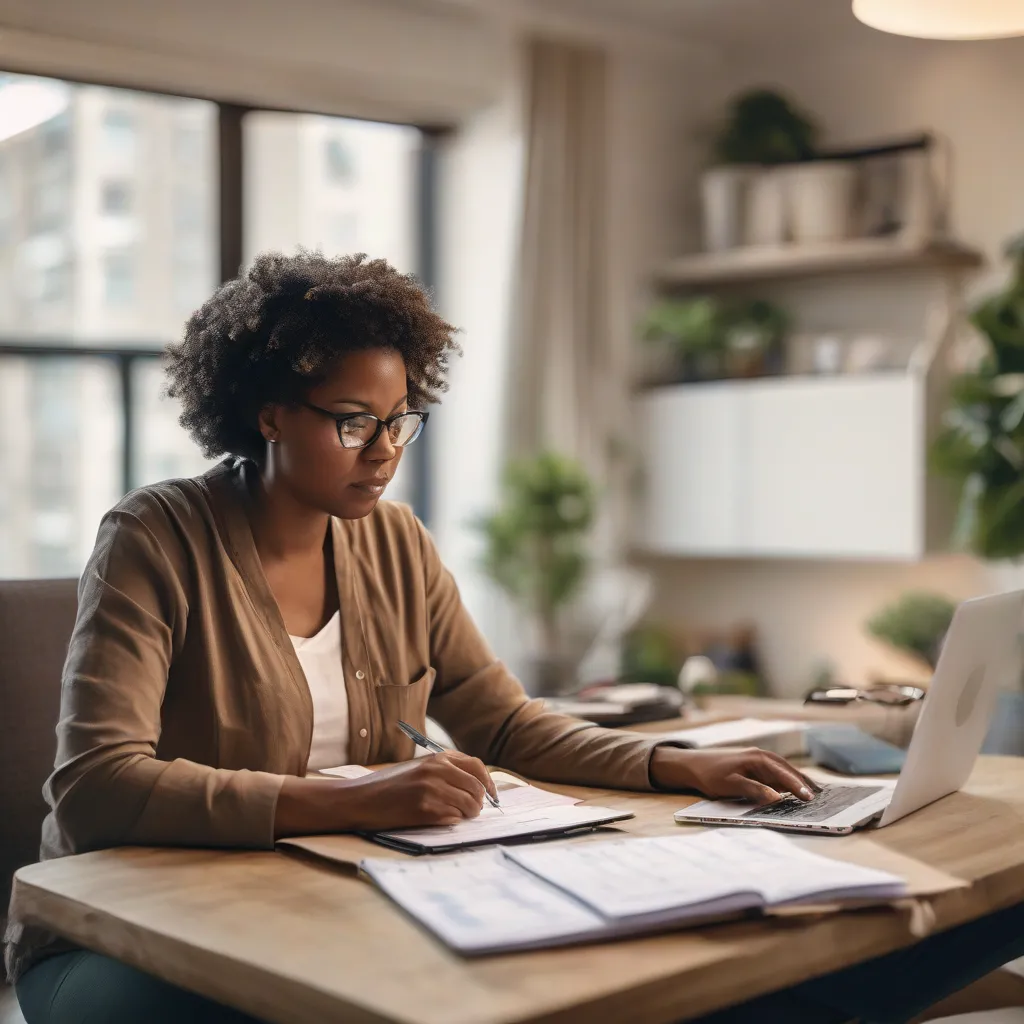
[710, 339]
[695, 331]
[916, 624]
[763, 130]
[536, 551]
[981, 444]
[755, 333]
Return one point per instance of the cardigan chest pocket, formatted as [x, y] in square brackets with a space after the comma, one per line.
[403, 702]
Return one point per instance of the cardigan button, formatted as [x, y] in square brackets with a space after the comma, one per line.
[360, 674]
[362, 733]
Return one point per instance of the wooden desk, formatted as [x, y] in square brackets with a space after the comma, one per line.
[296, 942]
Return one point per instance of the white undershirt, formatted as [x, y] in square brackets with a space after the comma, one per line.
[320, 658]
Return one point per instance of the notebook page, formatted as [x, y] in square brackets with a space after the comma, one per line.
[632, 877]
[520, 818]
[480, 902]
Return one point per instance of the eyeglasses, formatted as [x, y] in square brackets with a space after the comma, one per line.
[891, 694]
[361, 429]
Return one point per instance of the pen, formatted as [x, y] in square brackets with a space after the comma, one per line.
[435, 748]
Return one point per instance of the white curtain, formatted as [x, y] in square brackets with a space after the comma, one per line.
[569, 386]
[560, 348]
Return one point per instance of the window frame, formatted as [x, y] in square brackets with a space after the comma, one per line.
[229, 230]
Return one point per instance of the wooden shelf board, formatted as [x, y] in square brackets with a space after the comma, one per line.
[766, 263]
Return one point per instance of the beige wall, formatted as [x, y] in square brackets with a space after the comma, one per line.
[865, 85]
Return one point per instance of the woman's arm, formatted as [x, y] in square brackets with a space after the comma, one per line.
[108, 787]
[486, 712]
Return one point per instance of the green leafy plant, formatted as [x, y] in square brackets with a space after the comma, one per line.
[536, 540]
[981, 444]
[764, 127]
[916, 623]
[688, 325]
[703, 332]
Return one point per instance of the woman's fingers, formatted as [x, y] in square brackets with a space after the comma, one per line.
[740, 785]
[780, 775]
[475, 767]
[815, 787]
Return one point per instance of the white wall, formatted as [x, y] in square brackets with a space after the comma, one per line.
[865, 85]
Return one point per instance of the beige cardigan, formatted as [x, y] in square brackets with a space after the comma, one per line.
[183, 705]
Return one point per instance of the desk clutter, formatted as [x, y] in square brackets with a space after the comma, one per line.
[505, 899]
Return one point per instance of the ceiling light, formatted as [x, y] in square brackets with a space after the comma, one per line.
[944, 19]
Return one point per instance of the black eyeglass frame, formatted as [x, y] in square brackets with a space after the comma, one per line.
[893, 695]
[340, 418]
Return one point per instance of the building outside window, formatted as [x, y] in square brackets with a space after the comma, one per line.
[119, 278]
[116, 197]
[108, 241]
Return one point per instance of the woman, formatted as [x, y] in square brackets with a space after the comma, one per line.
[270, 618]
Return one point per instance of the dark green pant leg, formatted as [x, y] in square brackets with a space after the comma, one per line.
[86, 988]
[896, 988]
[893, 989]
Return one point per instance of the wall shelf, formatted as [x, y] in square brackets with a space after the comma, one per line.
[778, 263]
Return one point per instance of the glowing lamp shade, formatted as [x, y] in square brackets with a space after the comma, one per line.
[944, 19]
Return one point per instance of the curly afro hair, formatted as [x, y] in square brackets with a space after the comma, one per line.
[275, 332]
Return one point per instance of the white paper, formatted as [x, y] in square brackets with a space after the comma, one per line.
[524, 810]
[477, 902]
[640, 876]
[541, 896]
[743, 731]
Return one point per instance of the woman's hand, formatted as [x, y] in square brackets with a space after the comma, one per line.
[440, 789]
[748, 774]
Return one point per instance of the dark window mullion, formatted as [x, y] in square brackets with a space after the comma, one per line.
[230, 164]
[127, 389]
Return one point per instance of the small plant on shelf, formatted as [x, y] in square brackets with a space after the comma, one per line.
[710, 339]
[694, 331]
[764, 127]
[916, 624]
[981, 445]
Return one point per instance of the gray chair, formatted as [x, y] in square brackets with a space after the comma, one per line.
[36, 619]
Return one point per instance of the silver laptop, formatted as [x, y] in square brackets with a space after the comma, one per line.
[981, 655]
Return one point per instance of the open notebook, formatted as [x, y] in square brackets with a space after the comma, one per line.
[502, 899]
[526, 812]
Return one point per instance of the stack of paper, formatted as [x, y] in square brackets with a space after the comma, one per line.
[504, 899]
[526, 812]
[784, 737]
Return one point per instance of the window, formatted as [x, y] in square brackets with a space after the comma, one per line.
[189, 215]
[54, 283]
[290, 203]
[119, 131]
[50, 211]
[119, 278]
[345, 231]
[338, 162]
[93, 294]
[188, 144]
[55, 137]
[116, 197]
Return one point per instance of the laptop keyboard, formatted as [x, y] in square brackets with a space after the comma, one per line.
[829, 802]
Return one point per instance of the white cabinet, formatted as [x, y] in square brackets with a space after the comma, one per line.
[825, 467]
